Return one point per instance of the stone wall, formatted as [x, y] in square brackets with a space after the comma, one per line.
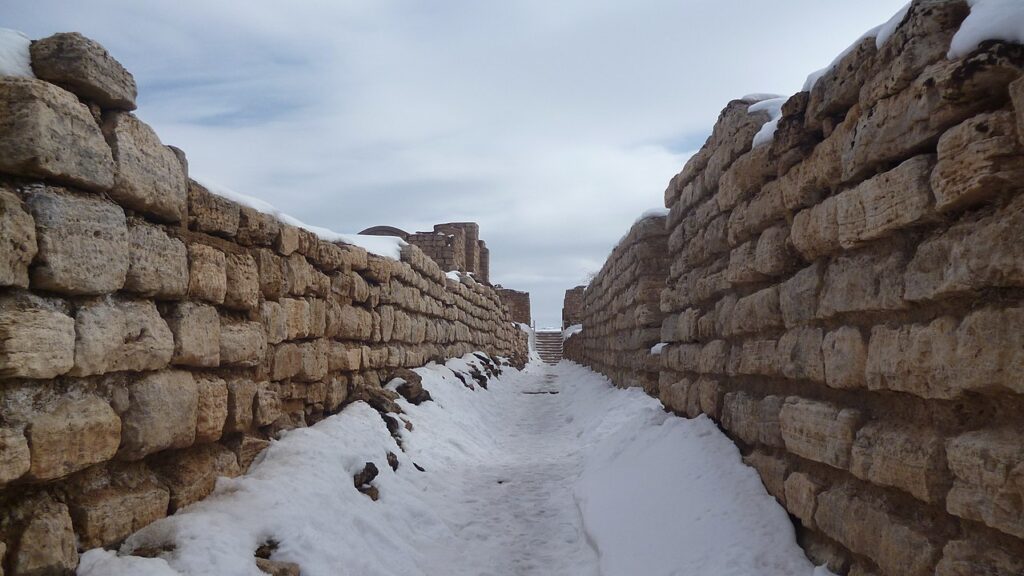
[620, 312]
[572, 307]
[518, 304]
[154, 336]
[448, 250]
[847, 301]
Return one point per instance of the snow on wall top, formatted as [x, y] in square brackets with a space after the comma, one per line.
[14, 54]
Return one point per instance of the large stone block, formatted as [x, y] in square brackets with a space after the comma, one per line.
[751, 420]
[196, 330]
[285, 361]
[37, 337]
[266, 404]
[757, 312]
[83, 242]
[107, 516]
[82, 66]
[191, 474]
[988, 486]
[15, 457]
[256, 228]
[207, 273]
[357, 323]
[314, 360]
[802, 497]
[815, 231]
[211, 408]
[867, 527]
[241, 392]
[71, 435]
[17, 240]
[242, 343]
[800, 356]
[297, 317]
[978, 159]
[906, 457]
[772, 471]
[773, 256]
[845, 357]
[45, 132]
[47, 542]
[243, 286]
[158, 264]
[863, 282]
[271, 274]
[978, 556]
[798, 296]
[210, 213]
[115, 334]
[162, 414]
[819, 431]
[889, 202]
[149, 178]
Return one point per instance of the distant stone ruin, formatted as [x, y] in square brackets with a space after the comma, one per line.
[455, 246]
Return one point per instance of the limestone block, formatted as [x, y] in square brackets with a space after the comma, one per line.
[71, 435]
[296, 311]
[314, 361]
[345, 357]
[978, 159]
[336, 393]
[798, 296]
[815, 231]
[241, 392]
[47, 543]
[970, 256]
[356, 323]
[115, 334]
[162, 414]
[266, 405]
[758, 312]
[196, 330]
[990, 350]
[149, 178]
[17, 241]
[903, 456]
[242, 343]
[845, 357]
[207, 273]
[742, 264]
[287, 240]
[83, 242]
[889, 202]
[107, 516]
[191, 474]
[256, 228]
[866, 527]
[37, 339]
[157, 263]
[246, 449]
[317, 317]
[751, 420]
[772, 471]
[819, 431]
[772, 257]
[85, 68]
[211, 408]
[47, 133]
[988, 470]
[978, 555]
[299, 275]
[802, 497]
[243, 288]
[286, 361]
[839, 88]
[713, 357]
[15, 457]
[210, 213]
[275, 321]
[710, 397]
[863, 282]
[800, 355]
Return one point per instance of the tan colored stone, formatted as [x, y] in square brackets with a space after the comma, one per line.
[196, 330]
[772, 256]
[149, 179]
[815, 231]
[343, 357]
[17, 240]
[162, 414]
[242, 343]
[241, 392]
[314, 360]
[802, 497]
[988, 470]
[845, 357]
[800, 356]
[158, 264]
[37, 338]
[753, 421]
[211, 408]
[287, 240]
[275, 321]
[82, 66]
[71, 435]
[271, 274]
[47, 133]
[47, 542]
[191, 474]
[297, 313]
[210, 213]
[978, 159]
[286, 361]
[978, 556]
[242, 288]
[887, 203]
[798, 296]
[903, 456]
[819, 431]
[266, 405]
[15, 457]
[207, 273]
[256, 228]
[115, 334]
[107, 516]
[772, 471]
[863, 282]
[83, 242]
[356, 323]
[758, 312]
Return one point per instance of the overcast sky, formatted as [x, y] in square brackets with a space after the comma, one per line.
[552, 123]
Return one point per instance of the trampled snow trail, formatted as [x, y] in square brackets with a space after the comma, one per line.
[548, 471]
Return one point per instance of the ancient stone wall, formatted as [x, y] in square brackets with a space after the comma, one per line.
[154, 336]
[846, 301]
[620, 312]
[518, 304]
[572, 307]
[448, 250]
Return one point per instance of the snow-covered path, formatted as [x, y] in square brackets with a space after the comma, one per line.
[548, 471]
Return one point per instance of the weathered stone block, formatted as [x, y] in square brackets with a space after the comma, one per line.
[242, 343]
[275, 321]
[196, 330]
[819, 431]
[975, 556]
[802, 497]
[211, 408]
[713, 357]
[243, 289]
[107, 516]
[800, 355]
[286, 361]
[798, 296]
[162, 414]
[149, 178]
[256, 228]
[115, 334]
[47, 133]
[83, 242]
[343, 357]
[906, 457]
[988, 469]
[207, 273]
[815, 231]
[47, 543]
[266, 405]
[15, 457]
[889, 202]
[757, 312]
[753, 421]
[191, 474]
[845, 357]
[863, 282]
[271, 274]
[772, 471]
[978, 159]
[17, 241]
[773, 256]
[357, 323]
[71, 435]
[82, 66]
[314, 361]
[157, 263]
[241, 392]
[37, 339]
[287, 240]
[210, 213]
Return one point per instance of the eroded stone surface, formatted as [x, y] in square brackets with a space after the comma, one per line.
[149, 178]
[82, 66]
[70, 435]
[37, 337]
[17, 240]
[115, 334]
[162, 414]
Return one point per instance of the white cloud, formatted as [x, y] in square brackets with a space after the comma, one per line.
[552, 124]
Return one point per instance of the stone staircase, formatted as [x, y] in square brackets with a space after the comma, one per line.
[549, 345]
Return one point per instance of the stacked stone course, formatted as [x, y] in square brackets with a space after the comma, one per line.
[518, 304]
[154, 336]
[572, 307]
[846, 302]
[620, 309]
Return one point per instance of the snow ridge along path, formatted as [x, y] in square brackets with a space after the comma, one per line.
[548, 471]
